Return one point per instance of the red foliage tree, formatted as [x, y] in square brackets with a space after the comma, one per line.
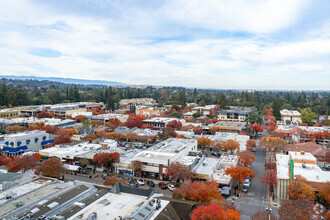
[303, 124]
[246, 157]
[45, 114]
[269, 115]
[198, 191]
[251, 143]
[112, 180]
[214, 211]
[51, 129]
[327, 157]
[132, 123]
[300, 189]
[198, 130]
[177, 171]
[5, 160]
[52, 167]
[113, 123]
[148, 127]
[269, 178]
[176, 125]
[131, 137]
[301, 209]
[257, 128]
[22, 164]
[37, 156]
[106, 159]
[240, 173]
[91, 137]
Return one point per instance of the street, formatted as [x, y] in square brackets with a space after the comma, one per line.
[256, 197]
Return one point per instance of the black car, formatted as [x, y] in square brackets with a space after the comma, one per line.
[150, 183]
[134, 185]
[214, 153]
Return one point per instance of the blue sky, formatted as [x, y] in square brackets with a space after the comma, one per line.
[229, 44]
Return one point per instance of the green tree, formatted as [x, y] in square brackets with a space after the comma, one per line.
[307, 116]
[276, 106]
[222, 100]
[254, 117]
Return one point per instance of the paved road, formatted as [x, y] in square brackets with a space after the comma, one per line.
[256, 198]
[100, 181]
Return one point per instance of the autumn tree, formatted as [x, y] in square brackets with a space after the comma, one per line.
[269, 115]
[214, 129]
[324, 192]
[166, 133]
[112, 180]
[52, 167]
[300, 189]
[257, 128]
[270, 165]
[230, 145]
[327, 157]
[250, 144]
[45, 114]
[240, 173]
[270, 178]
[176, 125]
[131, 137]
[246, 157]
[113, 123]
[178, 172]
[37, 156]
[96, 123]
[216, 145]
[137, 166]
[301, 209]
[15, 128]
[199, 191]
[133, 121]
[198, 130]
[23, 164]
[270, 127]
[203, 142]
[263, 215]
[5, 160]
[106, 159]
[80, 118]
[91, 137]
[272, 143]
[213, 211]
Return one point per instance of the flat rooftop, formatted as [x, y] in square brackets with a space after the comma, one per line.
[186, 160]
[206, 166]
[112, 206]
[162, 120]
[25, 133]
[172, 145]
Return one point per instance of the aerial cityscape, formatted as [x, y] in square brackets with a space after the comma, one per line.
[165, 110]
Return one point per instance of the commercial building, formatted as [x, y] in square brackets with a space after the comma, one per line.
[8, 113]
[227, 126]
[208, 110]
[138, 101]
[290, 115]
[219, 175]
[156, 158]
[235, 113]
[150, 111]
[105, 118]
[160, 122]
[294, 164]
[17, 144]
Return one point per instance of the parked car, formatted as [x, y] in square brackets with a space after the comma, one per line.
[150, 183]
[162, 185]
[130, 180]
[253, 149]
[171, 187]
[246, 183]
[214, 153]
[134, 185]
[140, 182]
[104, 176]
[245, 188]
[225, 191]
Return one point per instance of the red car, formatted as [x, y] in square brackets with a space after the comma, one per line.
[162, 185]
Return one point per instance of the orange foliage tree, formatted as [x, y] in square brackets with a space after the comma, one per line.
[214, 129]
[131, 137]
[96, 123]
[230, 145]
[15, 128]
[301, 209]
[178, 172]
[106, 159]
[113, 123]
[250, 144]
[80, 118]
[198, 191]
[5, 160]
[257, 128]
[91, 137]
[112, 180]
[246, 157]
[23, 164]
[52, 167]
[272, 143]
[214, 211]
[203, 142]
[37, 156]
[240, 173]
[324, 192]
[300, 189]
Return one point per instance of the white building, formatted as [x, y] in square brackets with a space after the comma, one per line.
[298, 163]
[17, 144]
[160, 122]
[219, 175]
[156, 158]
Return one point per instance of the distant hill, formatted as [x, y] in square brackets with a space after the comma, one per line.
[65, 80]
